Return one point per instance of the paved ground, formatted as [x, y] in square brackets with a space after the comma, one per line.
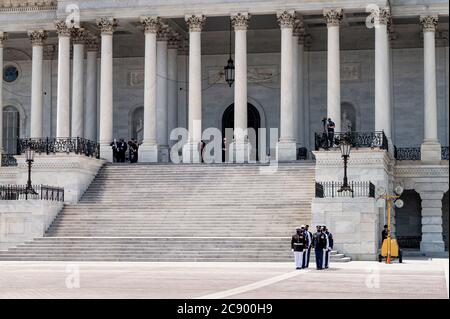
[413, 279]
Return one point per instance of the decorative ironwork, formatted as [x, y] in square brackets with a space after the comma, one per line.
[331, 189]
[407, 153]
[444, 153]
[356, 139]
[40, 192]
[52, 145]
[8, 160]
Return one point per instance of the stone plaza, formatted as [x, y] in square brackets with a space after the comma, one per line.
[256, 79]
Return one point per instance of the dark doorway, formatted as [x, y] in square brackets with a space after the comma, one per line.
[253, 121]
[445, 219]
[408, 220]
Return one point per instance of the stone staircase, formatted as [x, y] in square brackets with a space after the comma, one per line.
[181, 213]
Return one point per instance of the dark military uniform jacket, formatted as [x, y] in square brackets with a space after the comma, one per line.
[298, 242]
[320, 241]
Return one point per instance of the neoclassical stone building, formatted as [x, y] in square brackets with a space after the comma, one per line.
[103, 69]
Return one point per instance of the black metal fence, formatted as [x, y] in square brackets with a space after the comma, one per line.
[52, 145]
[41, 192]
[414, 153]
[331, 189]
[8, 160]
[356, 139]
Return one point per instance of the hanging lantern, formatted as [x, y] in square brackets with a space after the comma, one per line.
[229, 68]
[229, 72]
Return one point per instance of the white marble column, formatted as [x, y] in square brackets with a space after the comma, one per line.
[191, 151]
[78, 38]
[3, 37]
[297, 81]
[333, 19]
[431, 195]
[90, 115]
[106, 26]
[240, 23]
[383, 119]
[172, 85]
[161, 94]
[63, 90]
[431, 149]
[38, 38]
[148, 152]
[287, 145]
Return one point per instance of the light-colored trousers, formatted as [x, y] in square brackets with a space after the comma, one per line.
[298, 259]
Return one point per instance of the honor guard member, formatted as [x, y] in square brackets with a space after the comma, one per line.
[309, 242]
[330, 244]
[298, 244]
[320, 245]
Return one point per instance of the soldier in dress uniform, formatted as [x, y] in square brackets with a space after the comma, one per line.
[320, 247]
[298, 244]
[309, 243]
[329, 246]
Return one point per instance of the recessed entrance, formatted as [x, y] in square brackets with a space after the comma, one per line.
[253, 121]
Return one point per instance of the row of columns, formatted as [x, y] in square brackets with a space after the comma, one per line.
[160, 104]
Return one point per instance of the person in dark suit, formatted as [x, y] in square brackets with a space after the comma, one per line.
[114, 144]
[121, 150]
[330, 129]
[133, 150]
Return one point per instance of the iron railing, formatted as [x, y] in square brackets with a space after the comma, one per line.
[407, 153]
[22, 192]
[444, 153]
[356, 139]
[52, 145]
[414, 153]
[8, 160]
[331, 189]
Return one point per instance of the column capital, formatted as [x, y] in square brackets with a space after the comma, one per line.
[79, 35]
[150, 24]
[106, 25]
[333, 17]
[174, 38]
[163, 33]
[240, 21]
[38, 37]
[183, 47]
[195, 22]
[429, 23]
[299, 28]
[381, 16]
[62, 29]
[92, 43]
[286, 19]
[3, 38]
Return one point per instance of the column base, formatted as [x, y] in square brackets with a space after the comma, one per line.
[191, 153]
[286, 151]
[239, 153]
[148, 153]
[430, 152]
[432, 247]
[106, 152]
[163, 154]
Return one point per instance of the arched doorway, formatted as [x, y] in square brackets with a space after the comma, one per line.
[253, 121]
[137, 124]
[11, 129]
[445, 219]
[408, 220]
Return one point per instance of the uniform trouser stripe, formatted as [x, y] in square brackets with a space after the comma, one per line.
[324, 255]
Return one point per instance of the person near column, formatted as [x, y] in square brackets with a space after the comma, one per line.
[330, 130]
[329, 246]
[298, 244]
[309, 240]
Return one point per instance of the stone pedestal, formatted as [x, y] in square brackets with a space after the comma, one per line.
[286, 151]
[430, 152]
[163, 154]
[148, 153]
[191, 153]
[106, 152]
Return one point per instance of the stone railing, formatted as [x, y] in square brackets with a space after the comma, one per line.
[52, 145]
[331, 189]
[372, 140]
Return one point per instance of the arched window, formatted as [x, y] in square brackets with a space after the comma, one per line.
[11, 129]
